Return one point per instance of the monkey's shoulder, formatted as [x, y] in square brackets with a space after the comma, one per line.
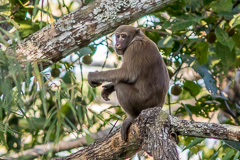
[143, 43]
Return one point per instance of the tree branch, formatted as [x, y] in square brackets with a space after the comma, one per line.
[40, 150]
[206, 130]
[154, 131]
[77, 29]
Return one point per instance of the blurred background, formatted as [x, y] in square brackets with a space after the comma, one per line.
[198, 40]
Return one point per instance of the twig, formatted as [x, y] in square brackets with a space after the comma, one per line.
[105, 61]
[162, 33]
[235, 5]
[229, 109]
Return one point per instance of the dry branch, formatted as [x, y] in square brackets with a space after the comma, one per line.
[154, 132]
[43, 149]
[77, 29]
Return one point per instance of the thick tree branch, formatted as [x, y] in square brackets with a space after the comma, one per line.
[154, 132]
[77, 29]
[206, 130]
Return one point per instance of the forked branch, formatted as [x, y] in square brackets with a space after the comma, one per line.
[153, 131]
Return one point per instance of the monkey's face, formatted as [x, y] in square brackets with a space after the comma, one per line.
[122, 40]
[124, 35]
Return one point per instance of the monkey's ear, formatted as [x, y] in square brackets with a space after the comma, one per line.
[138, 30]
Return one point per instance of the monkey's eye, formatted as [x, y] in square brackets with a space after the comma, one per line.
[124, 36]
[117, 35]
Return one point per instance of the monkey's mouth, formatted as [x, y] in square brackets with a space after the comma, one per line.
[120, 51]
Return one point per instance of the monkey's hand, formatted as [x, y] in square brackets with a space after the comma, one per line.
[107, 90]
[92, 79]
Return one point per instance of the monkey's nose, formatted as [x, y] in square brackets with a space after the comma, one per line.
[118, 46]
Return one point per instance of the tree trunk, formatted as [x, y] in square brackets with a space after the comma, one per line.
[77, 29]
[155, 132]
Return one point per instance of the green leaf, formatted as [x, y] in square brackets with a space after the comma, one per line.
[111, 49]
[50, 130]
[201, 52]
[67, 77]
[227, 57]
[51, 114]
[228, 155]
[72, 125]
[166, 25]
[193, 88]
[11, 36]
[237, 156]
[27, 27]
[207, 77]
[182, 25]
[193, 143]
[84, 51]
[57, 135]
[233, 144]
[89, 139]
[3, 139]
[196, 4]
[188, 110]
[37, 122]
[88, 1]
[235, 21]
[214, 156]
[91, 93]
[5, 7]
[236, 38]
[154, 36]
[224, 39]
[220, 6]
[29, 72]
[65, 108]
[166, 42]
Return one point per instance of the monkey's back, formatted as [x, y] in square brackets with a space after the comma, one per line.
[153, 80]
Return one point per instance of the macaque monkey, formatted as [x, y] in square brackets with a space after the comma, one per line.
[141, 82]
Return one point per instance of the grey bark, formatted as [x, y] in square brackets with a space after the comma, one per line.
[155, 132]
[77, 29]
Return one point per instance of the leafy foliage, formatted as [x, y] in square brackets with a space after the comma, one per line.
[199, 40]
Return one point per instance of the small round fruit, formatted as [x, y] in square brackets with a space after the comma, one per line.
[211, 37]
[55, 72]
[87, 59]
[231, 32]
[176, 90]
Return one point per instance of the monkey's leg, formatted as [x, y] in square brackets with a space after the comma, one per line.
[125, 126]
[107, 90]
[129, 99]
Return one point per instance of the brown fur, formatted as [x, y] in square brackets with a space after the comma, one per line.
[141, 82]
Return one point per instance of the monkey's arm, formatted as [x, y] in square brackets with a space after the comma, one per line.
[106, 76]
[134, 62]
[118, 75]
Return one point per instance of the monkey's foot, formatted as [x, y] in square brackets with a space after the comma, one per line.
[124, 129]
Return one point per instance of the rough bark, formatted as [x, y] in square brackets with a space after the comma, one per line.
[77, 29]
[150, 132]
[154, 131]
[206, 130]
